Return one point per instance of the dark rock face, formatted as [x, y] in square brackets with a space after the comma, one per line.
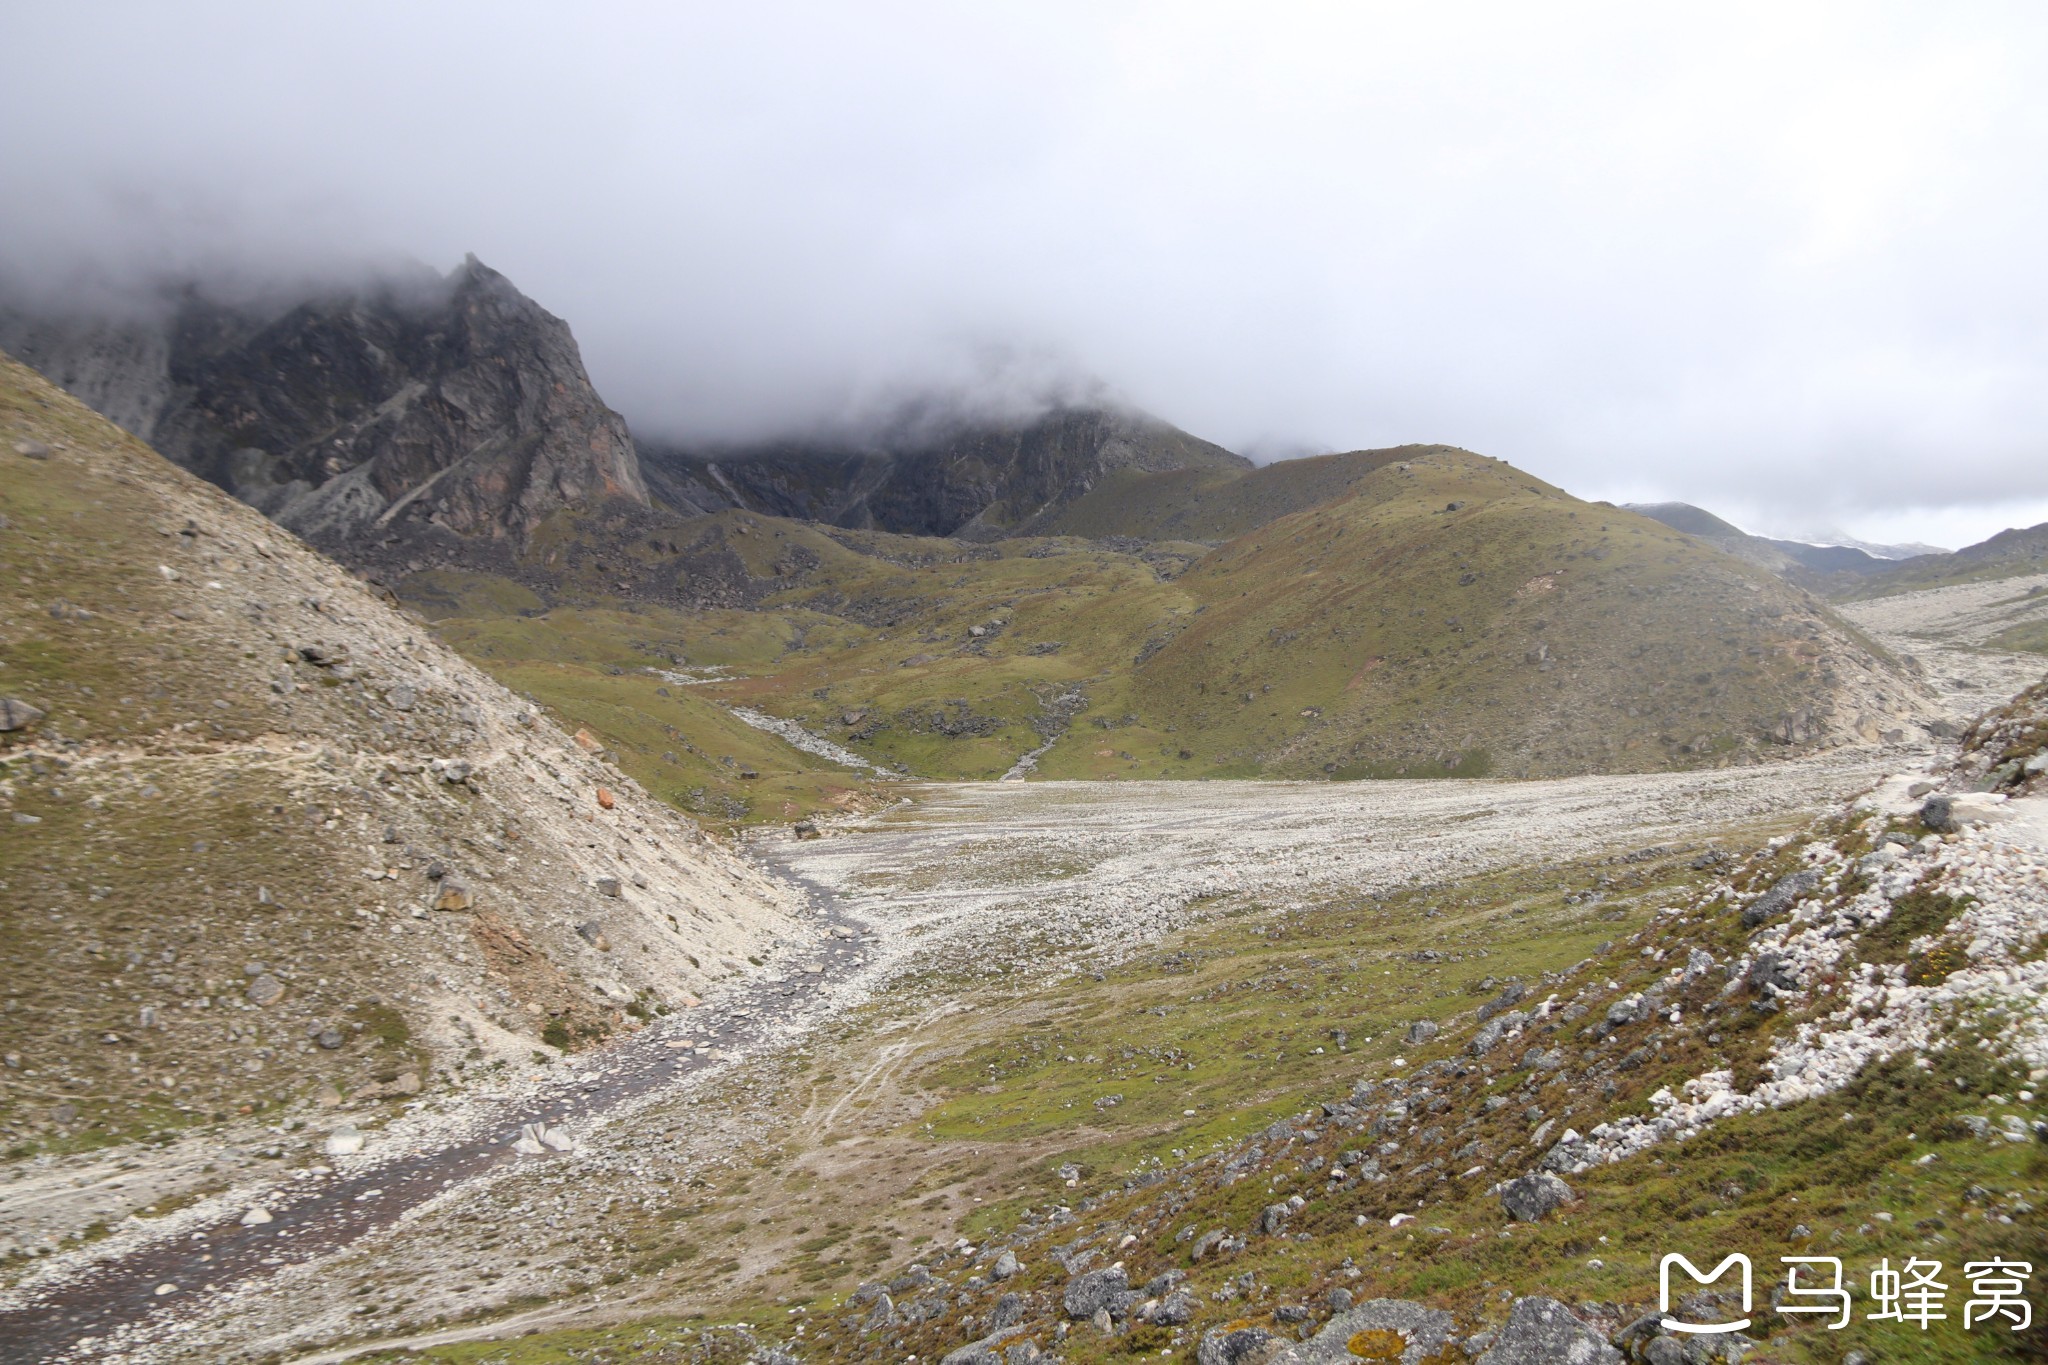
[971, 481]
[457, 401]
[1782, 896]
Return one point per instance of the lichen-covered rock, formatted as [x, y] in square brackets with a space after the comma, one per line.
[1095, 1291]
[1542, 1331]
[1242, 1346]
[1378, 1329]
[1534, 1197]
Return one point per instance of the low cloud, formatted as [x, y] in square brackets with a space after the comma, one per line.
[1782, 263]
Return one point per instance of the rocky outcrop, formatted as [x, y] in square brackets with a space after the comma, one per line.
[1542, 1331]
[455, 401]
[968, 479]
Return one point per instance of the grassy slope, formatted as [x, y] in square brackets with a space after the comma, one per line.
[881, 630]
[144, 880]
[108, 877]
[1214, 505]
[199, 798]
[1376, 632]
[1384, 633]
[590, 667]
[2031, 637]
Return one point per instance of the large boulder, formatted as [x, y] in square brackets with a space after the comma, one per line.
[1378, 1329]
[1534, 1197]
[16, 714]
[1784, 893]
[1107, 1290]
[973, 1353]
[1542, 1331]
[1242, 1346]
[1938, 814]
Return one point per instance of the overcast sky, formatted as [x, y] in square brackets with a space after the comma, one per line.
[1782, 260]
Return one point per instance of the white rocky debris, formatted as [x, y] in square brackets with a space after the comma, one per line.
[538, 1139]
[345, 1140]
[2003, 881]
[797, 737]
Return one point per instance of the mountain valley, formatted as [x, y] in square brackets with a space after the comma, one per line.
[483, 886]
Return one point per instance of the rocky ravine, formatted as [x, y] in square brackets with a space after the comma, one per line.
[1948, 630]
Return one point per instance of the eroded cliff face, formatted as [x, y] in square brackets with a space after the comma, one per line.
[457, 401]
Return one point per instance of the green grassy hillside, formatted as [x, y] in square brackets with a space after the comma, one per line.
[1453, 614]
[593, 668]
[1418, 611]
[1215, 505]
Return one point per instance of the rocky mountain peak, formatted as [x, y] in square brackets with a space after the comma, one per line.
[455, 401]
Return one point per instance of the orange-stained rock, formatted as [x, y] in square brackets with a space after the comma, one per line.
[604, 798]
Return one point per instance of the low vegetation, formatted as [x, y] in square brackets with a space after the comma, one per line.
[1419, 612]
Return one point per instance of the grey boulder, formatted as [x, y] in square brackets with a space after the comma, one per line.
[1403, 1331]
[1245, 1346]
[1783, 894]
[973, 1353]
[16, 714]
[1533, 1197]
[1107, 1290]
[1542, 1331]
[1938, 814]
